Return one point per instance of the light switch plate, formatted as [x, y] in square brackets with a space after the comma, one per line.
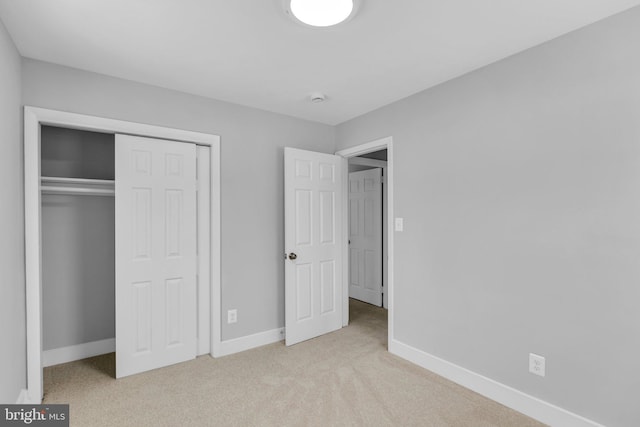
[399, 224]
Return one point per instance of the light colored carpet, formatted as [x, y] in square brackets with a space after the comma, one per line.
[346, 378]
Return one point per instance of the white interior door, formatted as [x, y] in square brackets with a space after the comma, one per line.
[155, 253]
[365, 236]
[313, 241]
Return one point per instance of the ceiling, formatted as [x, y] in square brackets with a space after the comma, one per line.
[249, 52]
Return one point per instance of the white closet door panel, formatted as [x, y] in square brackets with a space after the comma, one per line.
[156, 307]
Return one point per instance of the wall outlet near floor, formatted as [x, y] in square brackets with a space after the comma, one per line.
[536, 364]
[232, 316]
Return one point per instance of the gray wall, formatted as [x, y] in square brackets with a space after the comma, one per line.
[12, 303]
[520, 188]
[78, 267]
[252, 144]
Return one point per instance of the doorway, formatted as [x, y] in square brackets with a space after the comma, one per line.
[367, 230]
[351, 153]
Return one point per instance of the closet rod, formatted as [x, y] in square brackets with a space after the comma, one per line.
[75, 181]
[47, 189]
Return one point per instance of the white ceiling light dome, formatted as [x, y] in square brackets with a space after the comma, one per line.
[321, 13]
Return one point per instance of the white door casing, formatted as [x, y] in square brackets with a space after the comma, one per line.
[203, 196]
[313, 232]
[351, 155]
[365, 236]
[155, 183]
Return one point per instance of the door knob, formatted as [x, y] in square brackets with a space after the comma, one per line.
[292, 256]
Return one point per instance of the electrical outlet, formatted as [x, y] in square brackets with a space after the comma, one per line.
[536, 364]
[232, 316]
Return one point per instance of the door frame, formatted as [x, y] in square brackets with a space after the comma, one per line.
[358, 150]
[34, 117]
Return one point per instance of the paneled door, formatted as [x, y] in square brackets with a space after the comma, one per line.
[365, 236]
[155, 183]
[313, 241]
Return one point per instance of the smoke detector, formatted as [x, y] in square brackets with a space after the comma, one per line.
[317, 97]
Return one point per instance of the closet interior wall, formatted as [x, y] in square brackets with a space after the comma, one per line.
[78, 237]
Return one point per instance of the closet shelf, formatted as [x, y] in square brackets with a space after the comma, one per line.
[77, 186]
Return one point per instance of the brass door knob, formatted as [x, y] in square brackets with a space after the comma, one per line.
[292, 256]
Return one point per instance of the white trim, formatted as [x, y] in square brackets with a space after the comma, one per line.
[33, 118]
[368, 147]
[379, 144]
[216, 291]
[71, 353]
[203, 172]
[33, 265]
[531, 406]
[101, 124]
[250, 341]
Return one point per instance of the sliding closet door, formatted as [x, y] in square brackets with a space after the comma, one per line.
[155, 182]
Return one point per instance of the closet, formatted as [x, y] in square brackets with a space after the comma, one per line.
[78, 241]
[124, 220]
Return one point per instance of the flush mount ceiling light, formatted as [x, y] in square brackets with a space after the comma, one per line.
[321, 13]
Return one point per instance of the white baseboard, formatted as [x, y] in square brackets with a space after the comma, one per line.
[250, 341]
[531, 406]
[77, 352]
